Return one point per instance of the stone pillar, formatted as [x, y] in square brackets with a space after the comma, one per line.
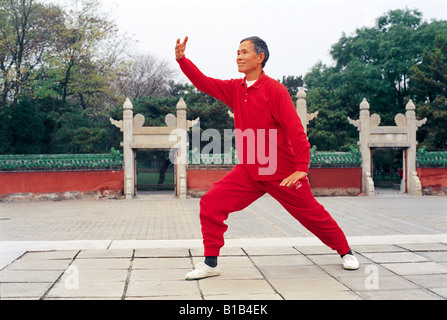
[414, 184]
[182, 152]
[365, 129]
[129, 163]
[301, 109]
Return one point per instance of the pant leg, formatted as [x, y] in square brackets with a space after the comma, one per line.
[234, 192]
[303, 206]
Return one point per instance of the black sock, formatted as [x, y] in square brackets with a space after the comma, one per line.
[350, 252]
[211, 261]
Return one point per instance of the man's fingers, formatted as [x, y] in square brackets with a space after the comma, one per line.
[185, 41]
[286, 183]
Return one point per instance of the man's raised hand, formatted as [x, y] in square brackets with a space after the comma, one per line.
[180, 49]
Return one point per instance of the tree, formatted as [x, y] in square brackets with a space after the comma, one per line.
[25, 32]
[373, 63]
[330, 131]
[145, 76]
[293, 84]
[61, 68]
[429, 82]
[387, 51]
[27, 129]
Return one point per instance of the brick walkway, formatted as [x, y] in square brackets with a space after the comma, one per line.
[142, 249]
[166, 218]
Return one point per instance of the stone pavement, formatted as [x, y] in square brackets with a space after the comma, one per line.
[142, 249]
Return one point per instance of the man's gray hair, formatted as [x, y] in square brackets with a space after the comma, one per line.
[260, 47]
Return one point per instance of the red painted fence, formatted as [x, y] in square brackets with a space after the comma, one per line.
[60, 182]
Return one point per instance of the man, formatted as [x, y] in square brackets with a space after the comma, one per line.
[263, 108]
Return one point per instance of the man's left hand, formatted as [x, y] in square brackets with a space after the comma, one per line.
[293, 180]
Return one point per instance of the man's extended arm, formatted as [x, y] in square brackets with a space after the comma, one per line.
[219, 89]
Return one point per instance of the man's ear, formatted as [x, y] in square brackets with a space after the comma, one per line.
[261, 57]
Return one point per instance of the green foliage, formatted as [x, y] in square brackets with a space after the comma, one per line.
[429, 79]
[26, 129]
[293, 84]
[396, 60]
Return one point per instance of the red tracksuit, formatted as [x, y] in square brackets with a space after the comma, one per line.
[265, 107]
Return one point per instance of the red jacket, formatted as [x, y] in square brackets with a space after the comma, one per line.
[265, 107]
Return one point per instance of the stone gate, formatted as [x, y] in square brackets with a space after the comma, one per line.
[402, 136]
[137, 137]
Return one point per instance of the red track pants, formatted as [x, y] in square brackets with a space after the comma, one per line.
[237, 190]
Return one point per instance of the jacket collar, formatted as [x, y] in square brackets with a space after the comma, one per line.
[258, 83]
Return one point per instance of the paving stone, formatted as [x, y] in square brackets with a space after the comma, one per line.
[50, 255]
[377, 248]
[41, 265]
[429, 280]
[23, 290]
[337, 271]
[285, 286]
[162, 289]
[293, 272]
[100, 254]
[88, 275]
[393, 257]
[162, 253]
[412, 294]
[158, 274]
[425, 246]
[270, 251]
[87, 289]
[333, 259]
[322, 295]
[244, 297]
[281, 260]
[416, 268]
[104, 264]
[240, 274]
[161, 263]
[216, 286]
[441, 291]
[315, 250]
[380, 283]
[195, 297]
[435, 256]
[29, 276]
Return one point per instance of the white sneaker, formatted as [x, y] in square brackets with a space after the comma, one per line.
[350, 262]
[203, 271]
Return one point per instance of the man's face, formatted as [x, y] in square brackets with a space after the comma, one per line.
[247, 58]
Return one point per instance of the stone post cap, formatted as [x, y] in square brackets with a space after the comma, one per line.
[410, 106]
[181, 105]
[301, 93]
[364, 105]
[128, 105]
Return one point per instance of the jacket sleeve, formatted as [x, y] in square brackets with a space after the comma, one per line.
[287, 116]
[219, 89]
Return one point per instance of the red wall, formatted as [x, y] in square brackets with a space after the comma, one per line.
[57, 181]
[336, 178]
[433, 178]
[202, 180]
[324, 182]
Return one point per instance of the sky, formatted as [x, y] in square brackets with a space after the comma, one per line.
[299, 33]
